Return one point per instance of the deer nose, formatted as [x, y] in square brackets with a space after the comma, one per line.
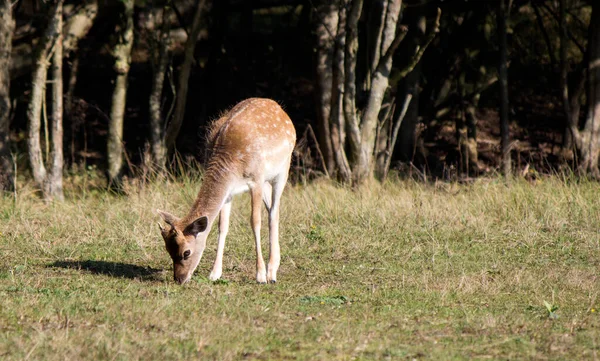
[181, 279]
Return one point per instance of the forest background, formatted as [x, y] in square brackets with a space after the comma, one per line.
[428, 89]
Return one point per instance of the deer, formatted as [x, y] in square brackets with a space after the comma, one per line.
[249, 150]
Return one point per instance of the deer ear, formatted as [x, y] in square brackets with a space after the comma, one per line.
[197, 226]
[168, 217]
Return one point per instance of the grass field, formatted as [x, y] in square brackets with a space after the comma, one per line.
[398, 271]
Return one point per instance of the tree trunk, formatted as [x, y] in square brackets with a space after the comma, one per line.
[384, 156]
[122, 54]
[325, 29]
[377, 13]
[7, 26]
[336, 121]
[54, 183]
[471, 143]
[589, 141]
[157, 125]
[564, 83]
[38, 90]
[184, 74]
[349, 98]
[501, 16]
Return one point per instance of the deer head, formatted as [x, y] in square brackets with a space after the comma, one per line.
[185, 244]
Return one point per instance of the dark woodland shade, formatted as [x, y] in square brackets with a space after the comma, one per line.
[455, 88]
[7, 26]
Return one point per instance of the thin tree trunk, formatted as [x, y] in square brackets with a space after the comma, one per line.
[7, 27]
[54, 183]
[389, 150]
[377, 15]
[408, 130]
[564, 83]
[336, 121]
[38, 90]
[122, 54]
[157, 125]
[175, 124]
[382, 136]
[590, 140]
[501, 16]
[471, 143]
[350, 58]
[325, 28]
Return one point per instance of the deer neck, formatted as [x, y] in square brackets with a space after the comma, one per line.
[213, 193]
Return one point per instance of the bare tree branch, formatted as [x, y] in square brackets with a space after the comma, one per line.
[394, 134]
[421, 50]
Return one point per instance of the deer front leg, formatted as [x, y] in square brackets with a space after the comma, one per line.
[256, 194]
[274, 250]
[217, 269]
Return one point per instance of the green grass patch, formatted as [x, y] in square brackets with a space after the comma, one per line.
[391, 272]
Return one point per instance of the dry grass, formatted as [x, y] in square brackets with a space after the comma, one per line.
[395, 271]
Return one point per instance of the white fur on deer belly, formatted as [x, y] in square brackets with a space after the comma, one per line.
[241, 187]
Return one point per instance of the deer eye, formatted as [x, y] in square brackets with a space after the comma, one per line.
[186, 254]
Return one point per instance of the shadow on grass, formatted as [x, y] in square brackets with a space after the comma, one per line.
[114, 269]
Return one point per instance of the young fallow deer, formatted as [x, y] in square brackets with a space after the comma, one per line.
[250, 148]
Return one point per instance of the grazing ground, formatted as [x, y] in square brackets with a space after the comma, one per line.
[402, 270]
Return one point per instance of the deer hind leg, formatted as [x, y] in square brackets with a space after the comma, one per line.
[217, 269]
[256, 195]
[274, 250]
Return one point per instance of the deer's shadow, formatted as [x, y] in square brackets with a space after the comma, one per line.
[113, 269]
